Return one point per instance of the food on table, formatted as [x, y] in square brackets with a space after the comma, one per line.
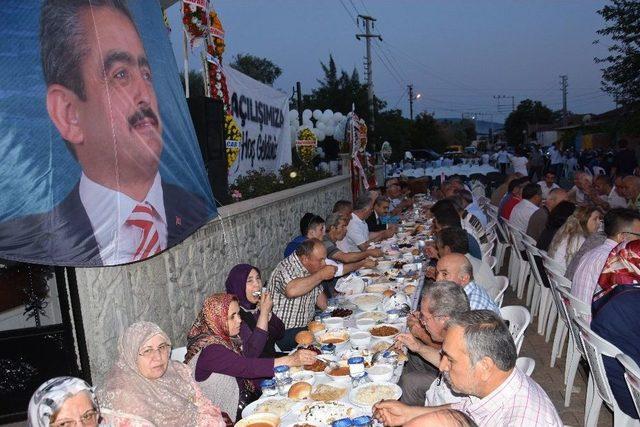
[304, 425]
[415, 252]
[328, 392]
[333, 340]
[409, 289]
[383, 345]
[304, 338]
[276, 406]
[341, 312]
[392, 273]
[383, 331]
[420, 227]
[315, 326]
[339, 371]
[318, 366]
[373, 315]
[399, 264]
[366, 300]
[371, 394]
[388, 293]
[336, 337]
[326, 412]
[300, 390]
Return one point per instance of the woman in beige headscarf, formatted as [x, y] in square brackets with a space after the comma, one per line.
[146, 384]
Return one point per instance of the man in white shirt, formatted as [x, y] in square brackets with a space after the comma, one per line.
[522, 212]
[620, 224]
[100, 97]
[582, 188]
[502, 157]
[548, 184]
[358, 236]
[479, 360]
[555, 158]
[607, 194]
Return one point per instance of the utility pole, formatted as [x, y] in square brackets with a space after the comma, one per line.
[410, 101]
[563, 85]
[513, 101]
[369, 25]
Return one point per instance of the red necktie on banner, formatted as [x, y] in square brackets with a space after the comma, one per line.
[142, 217]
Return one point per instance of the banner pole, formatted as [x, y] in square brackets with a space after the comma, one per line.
[186, 63]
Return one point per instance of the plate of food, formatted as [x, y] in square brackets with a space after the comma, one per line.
[376, 316]
[328, 392]
[392, 273]
[278, 405]
[338, 372]
[324, 413]
[367, 395]
[366, 301]
[384, 330]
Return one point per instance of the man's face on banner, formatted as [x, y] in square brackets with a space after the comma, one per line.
[120, 121]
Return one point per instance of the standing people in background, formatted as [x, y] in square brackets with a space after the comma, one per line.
[519, 162]
[311, 227]
[502, 157]
[625, 161]
[296, 286]
[536, 163]
[548, 184]
[555, 159]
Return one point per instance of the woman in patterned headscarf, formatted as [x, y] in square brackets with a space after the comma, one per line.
[145, 384]
[227, 371]
[63, 399]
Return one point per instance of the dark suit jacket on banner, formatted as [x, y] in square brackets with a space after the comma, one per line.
[64, 236]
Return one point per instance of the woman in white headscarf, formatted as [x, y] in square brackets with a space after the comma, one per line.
[144, 383]
[63, 401]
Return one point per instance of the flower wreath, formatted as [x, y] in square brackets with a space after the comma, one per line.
[195, 21]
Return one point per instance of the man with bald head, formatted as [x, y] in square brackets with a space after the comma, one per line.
[457, 268]
[632, 191]
[538, 220]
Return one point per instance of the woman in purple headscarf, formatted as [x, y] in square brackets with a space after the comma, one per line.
[245, 283]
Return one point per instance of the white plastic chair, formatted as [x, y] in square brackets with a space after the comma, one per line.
[491, 260]
[519, 318]
[178, 354]
[632, 376]
[573, 309]
[526, 365]
[595, 348]
[503, 282]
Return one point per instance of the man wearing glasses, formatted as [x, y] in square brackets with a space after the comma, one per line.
[619, 225]
[440, 301]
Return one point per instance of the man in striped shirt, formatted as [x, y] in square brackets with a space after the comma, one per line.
[478, 359]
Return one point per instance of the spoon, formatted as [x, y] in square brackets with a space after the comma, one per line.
[380, 353]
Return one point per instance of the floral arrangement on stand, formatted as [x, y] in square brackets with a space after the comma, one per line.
[195, 22]
[306, 143]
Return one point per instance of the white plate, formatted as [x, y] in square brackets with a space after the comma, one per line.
[376, 316]
[397, 392]
[339, 379]
[376, 299]
[346, 410]
[251, 407]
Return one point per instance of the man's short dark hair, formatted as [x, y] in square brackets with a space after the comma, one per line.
[363, 202]
[619, 220]
[550, 172]
[486, 335]
[63, 40]
[309, 221]
[306, 248]
[342, 205]
[531, 190]
[455, 238]
[444, 211]
[333, 220]
[518, 182]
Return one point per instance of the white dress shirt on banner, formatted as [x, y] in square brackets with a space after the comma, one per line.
[108, 211]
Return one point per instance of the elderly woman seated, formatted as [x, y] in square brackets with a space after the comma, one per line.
[63, 401]
[227, 370]
[245, 284]
[145, 388]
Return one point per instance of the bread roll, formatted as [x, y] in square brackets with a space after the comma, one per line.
[388, 293]
[300, 390]
[304, 338]
[316, 326]
[409, 289]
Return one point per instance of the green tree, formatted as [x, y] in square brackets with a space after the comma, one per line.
[392, 127]
[196, 83]
[427, 132]
[621, 75]
[258, 68]
[527, 112]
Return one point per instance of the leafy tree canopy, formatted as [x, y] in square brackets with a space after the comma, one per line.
[528, 112]
[258, 68]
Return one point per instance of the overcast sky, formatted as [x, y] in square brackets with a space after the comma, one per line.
[458, 54]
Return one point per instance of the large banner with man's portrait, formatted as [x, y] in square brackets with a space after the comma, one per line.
[261, 113]
[100, 162]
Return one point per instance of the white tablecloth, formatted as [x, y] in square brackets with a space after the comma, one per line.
[465, 170]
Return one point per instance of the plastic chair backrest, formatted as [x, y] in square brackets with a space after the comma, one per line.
[503, 283]
[632, 376]
[519, 318]
[526, 365]
[574, 309]
[595, 347]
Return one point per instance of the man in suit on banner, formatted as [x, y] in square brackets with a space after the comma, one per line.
[100, 97]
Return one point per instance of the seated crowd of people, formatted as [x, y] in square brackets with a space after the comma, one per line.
[461, 356]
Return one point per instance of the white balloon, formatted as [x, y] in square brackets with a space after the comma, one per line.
[321, 126]
[307, 123]
[326, 116]
[293, 114]
[306, 114]
[320, 135]
[337, 115]
[317, 114]
[329, 130]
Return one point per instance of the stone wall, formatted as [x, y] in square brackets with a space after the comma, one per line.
[169, 289]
